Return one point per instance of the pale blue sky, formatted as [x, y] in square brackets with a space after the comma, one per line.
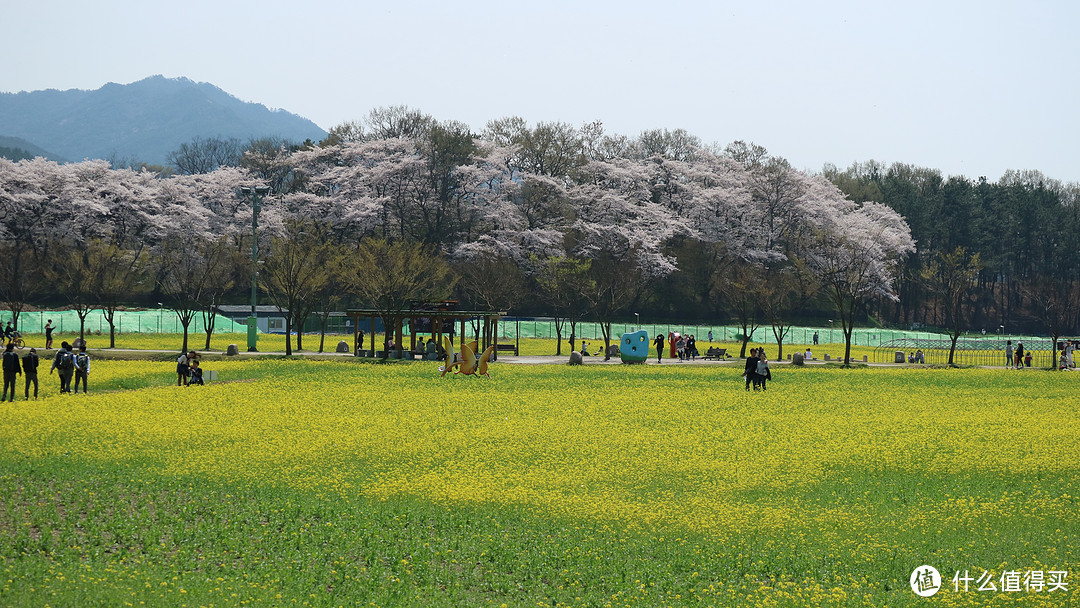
[971, 88]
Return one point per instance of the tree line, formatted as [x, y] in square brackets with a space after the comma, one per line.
[992, 256]
[553, 219]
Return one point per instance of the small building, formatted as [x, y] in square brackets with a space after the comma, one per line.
[269, 319]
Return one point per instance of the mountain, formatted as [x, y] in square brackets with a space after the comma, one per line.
[17, 148]
[143, 121]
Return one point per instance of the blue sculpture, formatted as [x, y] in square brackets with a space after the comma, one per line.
[634, 347]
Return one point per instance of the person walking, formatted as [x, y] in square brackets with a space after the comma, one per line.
[815, 338]
[30, 364]
[1008, 353]
[12, 368]
[659, 342]
[750, 370]
[64, 364]
[48, 334]
[82, 369]
[1019, 355]
[763, 373]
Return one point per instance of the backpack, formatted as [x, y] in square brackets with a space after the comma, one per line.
[82, 359]
[67, 361]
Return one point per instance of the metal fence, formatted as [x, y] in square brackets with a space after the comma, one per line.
[969, 351]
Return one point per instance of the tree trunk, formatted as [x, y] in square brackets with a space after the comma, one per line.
[209, 323]
[847, 346]
[1054, 351]
[780, 332]
[605, 329]
[110, 317]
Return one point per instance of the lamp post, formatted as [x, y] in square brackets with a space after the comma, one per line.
[637, 321]
[256, 194]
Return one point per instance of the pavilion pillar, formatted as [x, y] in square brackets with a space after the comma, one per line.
[356, 335]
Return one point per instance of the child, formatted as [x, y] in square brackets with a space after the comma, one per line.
[195, 373]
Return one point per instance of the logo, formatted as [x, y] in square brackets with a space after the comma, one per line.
[925, 581]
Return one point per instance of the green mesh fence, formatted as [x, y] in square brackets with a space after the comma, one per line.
[166, 321]
[127, 322]
[510, 328]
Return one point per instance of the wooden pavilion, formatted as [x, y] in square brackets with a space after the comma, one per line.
[435, 318]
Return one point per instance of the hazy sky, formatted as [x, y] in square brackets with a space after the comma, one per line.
[968, 87]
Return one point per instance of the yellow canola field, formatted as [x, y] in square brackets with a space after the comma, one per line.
[668, 446]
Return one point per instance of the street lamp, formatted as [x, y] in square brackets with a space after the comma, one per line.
[256, 194]
[637, 321]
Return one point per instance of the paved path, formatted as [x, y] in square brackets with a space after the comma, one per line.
[510, 359]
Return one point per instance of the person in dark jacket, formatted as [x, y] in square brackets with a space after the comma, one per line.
[12, 368]
[30, 365]
[65, 363]
[750, 372]
[659, 342]
[82, 369]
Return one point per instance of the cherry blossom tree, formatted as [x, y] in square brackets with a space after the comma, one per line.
[621, 229]
[854, 251]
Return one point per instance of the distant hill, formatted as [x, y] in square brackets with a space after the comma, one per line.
[143, 121]
[17, 148]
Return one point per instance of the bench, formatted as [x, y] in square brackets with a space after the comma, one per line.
[716, 354]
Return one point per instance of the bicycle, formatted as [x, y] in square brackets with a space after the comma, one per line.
[17, 339]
